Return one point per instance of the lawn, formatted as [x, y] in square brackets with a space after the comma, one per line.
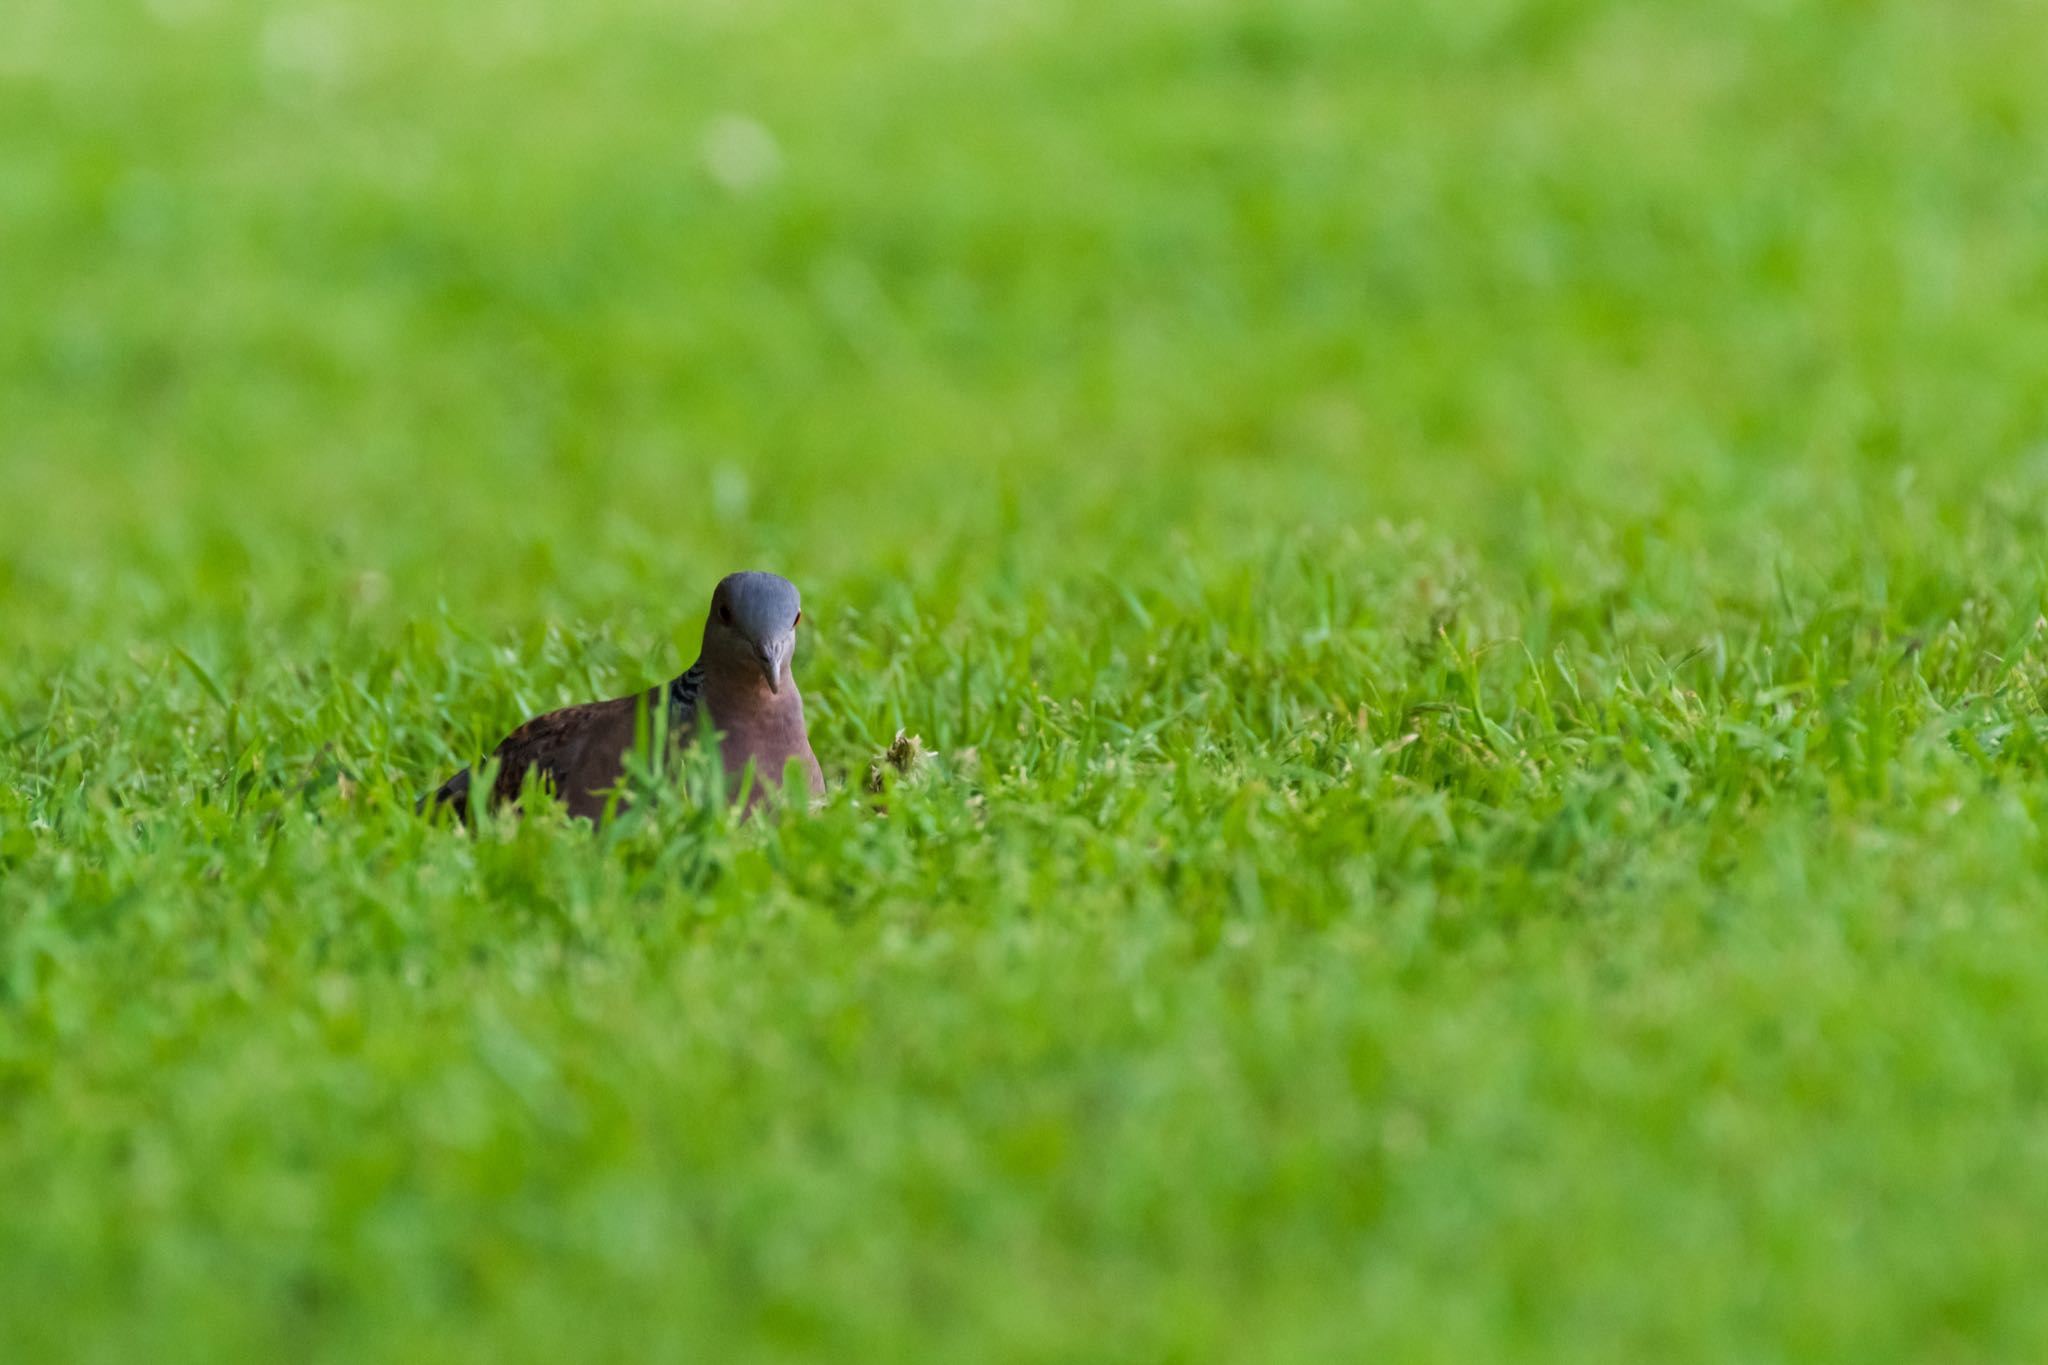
[1471, 578]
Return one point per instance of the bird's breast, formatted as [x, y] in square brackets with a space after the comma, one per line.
[767, 736]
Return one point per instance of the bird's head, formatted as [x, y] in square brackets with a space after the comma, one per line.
[753, 625]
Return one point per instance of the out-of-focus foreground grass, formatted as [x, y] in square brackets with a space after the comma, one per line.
[1472, 572]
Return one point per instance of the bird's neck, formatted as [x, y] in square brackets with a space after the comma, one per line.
[735, 691]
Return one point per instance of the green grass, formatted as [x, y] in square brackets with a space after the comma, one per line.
[1473, 575]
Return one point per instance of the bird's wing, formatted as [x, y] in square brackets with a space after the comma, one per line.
[566, 749]
[578, 751]
[581, 750]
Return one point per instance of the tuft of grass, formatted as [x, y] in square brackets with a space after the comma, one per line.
[1469, 581]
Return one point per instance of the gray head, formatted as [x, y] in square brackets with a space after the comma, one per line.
[753, 625]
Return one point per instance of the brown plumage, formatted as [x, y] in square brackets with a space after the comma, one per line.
[741, 680]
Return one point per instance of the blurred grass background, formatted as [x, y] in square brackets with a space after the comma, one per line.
[1473, 573]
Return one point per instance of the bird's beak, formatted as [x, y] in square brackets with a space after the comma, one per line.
[774, 659]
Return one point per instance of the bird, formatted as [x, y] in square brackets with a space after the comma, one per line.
[741, 682]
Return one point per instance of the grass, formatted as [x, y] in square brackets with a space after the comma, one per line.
[1472, 577]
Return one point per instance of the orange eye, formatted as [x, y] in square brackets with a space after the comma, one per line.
[799, 621]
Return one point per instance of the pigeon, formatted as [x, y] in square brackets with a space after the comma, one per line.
[741, 682]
